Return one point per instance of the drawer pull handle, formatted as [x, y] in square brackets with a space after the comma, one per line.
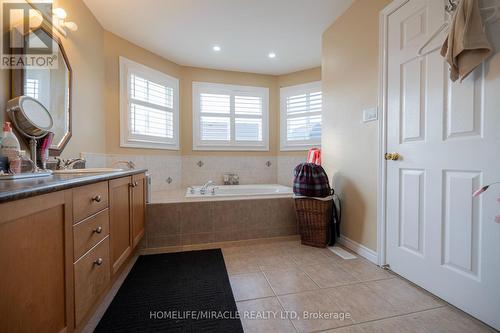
[97, 230]
[134, 184]
[97, 198]
[98, 262]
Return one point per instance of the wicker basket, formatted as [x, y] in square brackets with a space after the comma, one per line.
[315, 221]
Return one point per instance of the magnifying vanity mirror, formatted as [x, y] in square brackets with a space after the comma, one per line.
[30, 118]
[52, 88]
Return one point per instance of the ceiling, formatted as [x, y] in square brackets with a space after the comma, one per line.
[185, 31]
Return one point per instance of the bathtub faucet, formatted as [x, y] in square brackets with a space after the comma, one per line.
[204, 188]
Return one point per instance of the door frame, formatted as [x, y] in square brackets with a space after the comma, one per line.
[382, 129]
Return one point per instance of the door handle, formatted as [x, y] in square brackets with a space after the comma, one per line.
[392, 156]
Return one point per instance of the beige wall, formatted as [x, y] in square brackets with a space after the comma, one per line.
[190, 74]
[350, 84]
[94, 53]
[115, 46]
[85, 53]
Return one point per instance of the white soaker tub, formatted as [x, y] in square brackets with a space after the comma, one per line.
[266, 190]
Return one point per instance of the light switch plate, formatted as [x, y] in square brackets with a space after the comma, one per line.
[370, 114]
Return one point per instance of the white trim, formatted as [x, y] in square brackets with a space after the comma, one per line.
[359, 249]
[151, 142]
[231, 145]
[288, 91]
[382, 130]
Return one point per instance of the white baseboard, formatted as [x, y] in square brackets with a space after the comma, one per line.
[359, 249]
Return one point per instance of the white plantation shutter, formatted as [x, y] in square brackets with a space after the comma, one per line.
[32, 88]
[228, 117]
[301, 108]
[213, 125]
[149, 107]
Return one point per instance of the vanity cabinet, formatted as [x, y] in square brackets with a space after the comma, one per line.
[127, 216]
[138, 207]
[120, 221]
[60, 252]
[36, 256]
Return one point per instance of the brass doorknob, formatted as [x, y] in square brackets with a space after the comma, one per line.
[392, 156]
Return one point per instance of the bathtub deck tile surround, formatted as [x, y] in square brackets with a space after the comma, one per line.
[190, 223]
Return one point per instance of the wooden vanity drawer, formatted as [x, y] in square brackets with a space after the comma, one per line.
[89, 199]
[89, 232]
[92, 275]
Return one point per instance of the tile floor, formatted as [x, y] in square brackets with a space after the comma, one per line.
[277, 285]
[281, 279]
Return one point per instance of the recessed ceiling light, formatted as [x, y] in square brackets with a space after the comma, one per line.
[271, 55]
[216, 48]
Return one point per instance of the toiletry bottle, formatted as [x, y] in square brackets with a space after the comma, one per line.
[10, 145]
[15, 164]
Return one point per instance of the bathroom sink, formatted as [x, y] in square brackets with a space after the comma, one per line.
[87, 170]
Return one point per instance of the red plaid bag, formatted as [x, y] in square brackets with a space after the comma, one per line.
[311, 181]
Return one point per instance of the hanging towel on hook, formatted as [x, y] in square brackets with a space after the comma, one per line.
[466, 46]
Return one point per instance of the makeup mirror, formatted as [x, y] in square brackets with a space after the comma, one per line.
[30, 118]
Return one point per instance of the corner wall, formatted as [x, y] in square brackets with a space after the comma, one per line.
[93, 54]
[85, 51]
[350, 147]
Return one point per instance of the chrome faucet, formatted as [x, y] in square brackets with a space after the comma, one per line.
[67, 164]
[204, 188]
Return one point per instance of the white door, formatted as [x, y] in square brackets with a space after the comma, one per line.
[448, 136]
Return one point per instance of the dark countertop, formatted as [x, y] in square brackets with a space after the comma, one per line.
[11, 190]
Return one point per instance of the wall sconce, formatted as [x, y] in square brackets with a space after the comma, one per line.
[59, 21]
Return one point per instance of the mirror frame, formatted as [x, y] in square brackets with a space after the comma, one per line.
[17, 89]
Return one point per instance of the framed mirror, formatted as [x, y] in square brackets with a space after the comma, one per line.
[52, 88]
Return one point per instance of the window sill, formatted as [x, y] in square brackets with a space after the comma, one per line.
[228, 148]
[149, 145]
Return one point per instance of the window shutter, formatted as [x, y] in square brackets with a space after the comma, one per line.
[248, 121]
[303, 117]
[229, 117]
[151, 108]
[213, 125]
[32, 88]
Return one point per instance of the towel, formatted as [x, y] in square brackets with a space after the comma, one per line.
[466, 46]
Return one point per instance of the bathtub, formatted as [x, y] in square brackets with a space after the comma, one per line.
[239, 191]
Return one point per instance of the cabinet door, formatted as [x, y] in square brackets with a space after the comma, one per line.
[138, 208]
[119, 219]
[36, 288]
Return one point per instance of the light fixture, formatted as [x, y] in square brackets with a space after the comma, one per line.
[271, 55]
[216, 48]
[71, 26]
[60, 13]
[59, 21]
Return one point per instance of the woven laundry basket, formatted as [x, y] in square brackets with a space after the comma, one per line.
[315, 220]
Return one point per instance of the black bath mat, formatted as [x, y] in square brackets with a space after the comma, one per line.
[165, 293]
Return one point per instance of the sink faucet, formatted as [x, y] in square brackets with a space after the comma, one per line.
[67, 164]
[204, 188]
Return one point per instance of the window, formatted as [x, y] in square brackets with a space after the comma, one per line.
[149, 107]
[229, 117]
[32, 88]
[301, 116]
